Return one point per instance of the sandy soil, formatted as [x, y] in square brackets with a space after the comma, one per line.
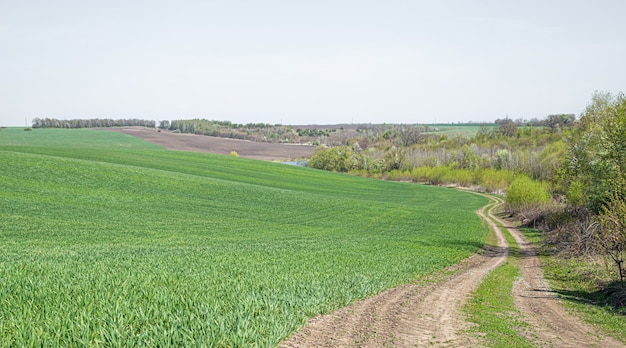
[201, 143]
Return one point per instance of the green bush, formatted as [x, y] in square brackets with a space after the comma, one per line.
[526, 194]
[336, 159]
[493, 180]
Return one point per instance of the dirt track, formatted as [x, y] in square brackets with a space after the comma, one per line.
[553, 325]
[428, 312]
[201, 143]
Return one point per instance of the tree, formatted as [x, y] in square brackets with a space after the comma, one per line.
[557, 123]
[409, 135]
[336, 159]
[596, 160]
[506, 127]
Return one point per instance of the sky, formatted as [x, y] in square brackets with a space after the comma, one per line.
[308, 62]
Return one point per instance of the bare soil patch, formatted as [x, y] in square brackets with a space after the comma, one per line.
[224, 146]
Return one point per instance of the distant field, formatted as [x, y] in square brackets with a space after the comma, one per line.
[106, 239]
[468, 130]
[450, 129]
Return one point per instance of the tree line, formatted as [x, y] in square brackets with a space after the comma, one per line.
[91, 123]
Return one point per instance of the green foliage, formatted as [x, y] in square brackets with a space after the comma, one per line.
[132, 245]
[611, 236]
[90, 123]
[551, 160]
[394, 159]
[335, 159]
[261, 132]
[489, 179]
[503, 159]
[525, 194]
[165, 124]
[597, 150]
[493, 180]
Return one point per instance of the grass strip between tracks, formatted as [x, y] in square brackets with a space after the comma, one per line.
[491, 306]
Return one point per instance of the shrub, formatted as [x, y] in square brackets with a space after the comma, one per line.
[526, 194]
[611, 236]
[336, 159]
[493, 180]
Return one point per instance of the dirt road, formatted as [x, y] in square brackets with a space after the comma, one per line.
[428, 312]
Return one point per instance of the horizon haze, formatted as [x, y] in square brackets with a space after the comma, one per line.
[323, 62]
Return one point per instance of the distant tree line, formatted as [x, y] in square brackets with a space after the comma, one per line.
[260, 132]
[91, 123]
[403, 151]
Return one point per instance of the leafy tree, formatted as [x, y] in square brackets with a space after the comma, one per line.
[596, 160]
[556, 123]
[336, 159]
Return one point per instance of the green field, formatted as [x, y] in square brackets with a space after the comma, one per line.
[464, 130]
[106, 240]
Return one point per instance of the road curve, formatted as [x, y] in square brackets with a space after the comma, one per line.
[427, 312]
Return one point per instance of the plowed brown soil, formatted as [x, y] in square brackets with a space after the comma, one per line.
[224, 146]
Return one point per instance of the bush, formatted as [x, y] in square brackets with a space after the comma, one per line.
[526, 194]
[493, 180]
[336, 159]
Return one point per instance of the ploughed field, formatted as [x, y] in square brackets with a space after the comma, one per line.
[106, 239]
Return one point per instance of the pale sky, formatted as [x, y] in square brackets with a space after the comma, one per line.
[308, 62]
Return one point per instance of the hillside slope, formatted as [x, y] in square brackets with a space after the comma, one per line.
[120, 242]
